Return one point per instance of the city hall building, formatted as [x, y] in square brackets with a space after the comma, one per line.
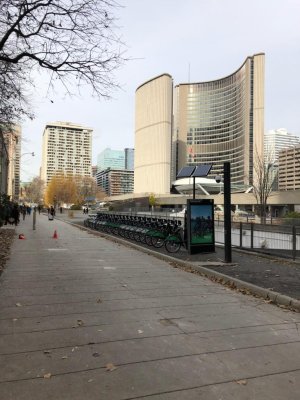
[199, 123]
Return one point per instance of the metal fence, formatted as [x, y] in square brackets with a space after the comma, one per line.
[281, 240]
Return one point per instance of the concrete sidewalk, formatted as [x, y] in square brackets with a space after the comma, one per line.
[82, 317]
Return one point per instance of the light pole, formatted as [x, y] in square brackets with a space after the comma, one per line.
[227, 210]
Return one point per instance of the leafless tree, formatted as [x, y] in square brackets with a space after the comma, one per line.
[74, 40]
[14, 102]
[86, 188]
[35, 190]
[263, 182]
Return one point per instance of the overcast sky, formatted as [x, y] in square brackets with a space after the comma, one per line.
[209, 38]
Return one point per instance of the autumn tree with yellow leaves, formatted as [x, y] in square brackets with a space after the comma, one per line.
[61, 189]
[70, 190]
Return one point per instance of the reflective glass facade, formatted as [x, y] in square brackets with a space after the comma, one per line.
[220, 121]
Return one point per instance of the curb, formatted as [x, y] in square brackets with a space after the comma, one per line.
[233, 283]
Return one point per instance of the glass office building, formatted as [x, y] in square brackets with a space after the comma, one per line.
[109, 158]
[129, 159]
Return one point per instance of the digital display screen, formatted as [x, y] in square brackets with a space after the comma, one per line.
[201, 224]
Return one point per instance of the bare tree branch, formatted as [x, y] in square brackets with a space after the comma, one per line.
[75, 40]
[264, 176]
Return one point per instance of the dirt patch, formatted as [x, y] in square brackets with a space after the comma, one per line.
[6, 239]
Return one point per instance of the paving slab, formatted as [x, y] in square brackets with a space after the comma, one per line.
[82, 317]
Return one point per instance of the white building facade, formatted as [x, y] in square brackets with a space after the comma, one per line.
[153, 134]
[67, 150]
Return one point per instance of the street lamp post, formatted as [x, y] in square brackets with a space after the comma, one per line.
[227, 210]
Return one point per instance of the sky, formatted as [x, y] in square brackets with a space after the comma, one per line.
[192, 40]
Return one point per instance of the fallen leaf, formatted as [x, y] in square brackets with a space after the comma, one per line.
[110, 367]
[47, 376]
[242, 382]
[80, 322]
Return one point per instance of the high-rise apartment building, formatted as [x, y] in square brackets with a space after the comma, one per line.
[277, 140]
[115, 181]
[109, 158]
[12, 139]
[67, 149]
[210, 122]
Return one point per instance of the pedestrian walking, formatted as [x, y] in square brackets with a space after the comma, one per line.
[23, 212]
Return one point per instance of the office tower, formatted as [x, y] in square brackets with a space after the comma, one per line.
[222, 121]
[67, 150]
[153, 132]
[277, 140]
[109, 158]
[129, 159]
[213, 122]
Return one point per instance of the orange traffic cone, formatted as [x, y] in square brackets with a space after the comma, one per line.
[21, 236]
[55, 236]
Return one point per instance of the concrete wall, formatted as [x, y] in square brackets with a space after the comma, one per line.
[153, 127]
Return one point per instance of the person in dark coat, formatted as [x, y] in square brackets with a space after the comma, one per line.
[15, 214]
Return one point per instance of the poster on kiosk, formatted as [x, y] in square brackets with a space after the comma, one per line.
[200, 226]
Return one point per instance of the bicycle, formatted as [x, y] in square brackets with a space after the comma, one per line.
[175, 240]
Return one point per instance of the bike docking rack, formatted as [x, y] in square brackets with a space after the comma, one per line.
[153, 231]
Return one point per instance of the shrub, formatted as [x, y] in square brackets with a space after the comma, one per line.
[292, 214]
[75, 207]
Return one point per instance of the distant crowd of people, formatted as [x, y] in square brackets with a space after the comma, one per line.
[13, 211]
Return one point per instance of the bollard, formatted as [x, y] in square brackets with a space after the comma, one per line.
[34, 219]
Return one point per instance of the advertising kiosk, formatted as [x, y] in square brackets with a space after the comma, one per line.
[200, 226]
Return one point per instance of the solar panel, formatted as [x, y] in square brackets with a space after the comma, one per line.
[185, 172]
[202, 170]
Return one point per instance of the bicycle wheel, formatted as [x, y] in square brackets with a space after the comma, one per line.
[172, 245]
[137, 236]
[157, 241]
[148, 240]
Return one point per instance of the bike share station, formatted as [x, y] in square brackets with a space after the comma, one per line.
[199, 219]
